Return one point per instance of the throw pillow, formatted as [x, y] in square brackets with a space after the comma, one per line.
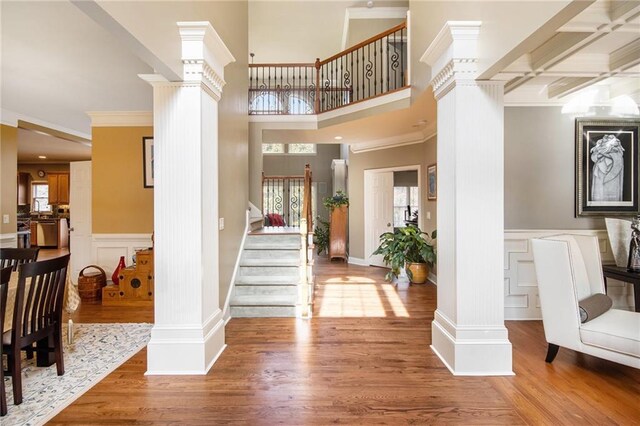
[594, 306]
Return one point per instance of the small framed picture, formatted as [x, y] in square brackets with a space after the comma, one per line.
[607, 154]
[147, 158]
[432, 182]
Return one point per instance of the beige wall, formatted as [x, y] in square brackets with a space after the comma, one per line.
[32, 169]
[120, 203]
[421, 154]
[362, 29]
[231, 22]
[539, 170]
[287, 165]
[8, 170]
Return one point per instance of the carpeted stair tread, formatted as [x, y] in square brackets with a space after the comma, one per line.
[263, 300]
[267, 280]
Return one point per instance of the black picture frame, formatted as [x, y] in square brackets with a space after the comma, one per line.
[147, 162]
[607, 158]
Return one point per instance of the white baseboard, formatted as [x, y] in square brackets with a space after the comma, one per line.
[521, 300]
[433, 278]
[481, 351]
[9, 240]
[226, 311]
[196, 347]
[107, 249]
[358, 261]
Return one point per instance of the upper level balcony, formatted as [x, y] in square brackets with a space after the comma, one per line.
[370, 69]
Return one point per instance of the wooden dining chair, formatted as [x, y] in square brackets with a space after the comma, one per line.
[37, 317]
[5, 275]
[15, 257]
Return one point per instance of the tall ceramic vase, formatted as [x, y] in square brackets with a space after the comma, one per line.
[116, 274]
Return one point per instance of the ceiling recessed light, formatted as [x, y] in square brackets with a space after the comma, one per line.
[42, 157]
[338, 138]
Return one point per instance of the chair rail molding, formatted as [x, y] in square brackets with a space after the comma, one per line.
[121, 118]
[521, 300]
[8, 240]
[107, 248]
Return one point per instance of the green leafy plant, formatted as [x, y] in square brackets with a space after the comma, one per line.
[340, 199]
[321, 235]
[408, 244]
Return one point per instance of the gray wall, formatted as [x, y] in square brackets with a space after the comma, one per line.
[320, 163]
[539, 170]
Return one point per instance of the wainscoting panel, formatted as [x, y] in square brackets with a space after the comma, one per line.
[8, 240]
[107, 249]
[521, 300]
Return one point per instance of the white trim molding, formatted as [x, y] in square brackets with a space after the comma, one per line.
[226, 311]
[357, 261]
[8, 240]
[11, 118]
[107, 249]
[521, 300]
[121, 118]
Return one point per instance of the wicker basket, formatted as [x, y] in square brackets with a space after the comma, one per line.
[90, 285]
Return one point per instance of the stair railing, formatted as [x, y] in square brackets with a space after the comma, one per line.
[283, 195]
[374, 67]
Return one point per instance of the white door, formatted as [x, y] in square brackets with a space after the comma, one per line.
[378, 211]
[80, 213]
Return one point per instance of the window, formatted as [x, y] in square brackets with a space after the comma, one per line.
[273, 148]
[292, 148]
[403, 197]
[40, 193]
[301, 148]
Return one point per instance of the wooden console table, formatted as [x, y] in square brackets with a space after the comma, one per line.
[621, 274]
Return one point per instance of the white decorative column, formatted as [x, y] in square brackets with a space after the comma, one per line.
[188, 334]
[339, 169]
[468, 331]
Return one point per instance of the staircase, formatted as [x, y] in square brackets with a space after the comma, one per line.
[268, 277]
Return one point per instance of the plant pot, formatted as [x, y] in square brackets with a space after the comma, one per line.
[419, 272]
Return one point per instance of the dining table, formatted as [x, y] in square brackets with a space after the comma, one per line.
[71, 303]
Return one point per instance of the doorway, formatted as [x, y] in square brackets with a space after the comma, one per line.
[392, 199]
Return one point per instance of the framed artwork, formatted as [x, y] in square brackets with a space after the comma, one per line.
[607, 154]
[432, 182]
[147, 161]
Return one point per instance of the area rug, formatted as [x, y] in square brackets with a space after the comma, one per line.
[96, 351]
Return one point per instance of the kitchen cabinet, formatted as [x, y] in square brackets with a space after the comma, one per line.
[58, 188]
[24, 188]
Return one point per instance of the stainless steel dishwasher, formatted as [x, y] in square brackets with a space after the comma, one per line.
[47, 233]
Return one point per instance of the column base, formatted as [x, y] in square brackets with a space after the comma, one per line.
[184, 349]
[471, 350]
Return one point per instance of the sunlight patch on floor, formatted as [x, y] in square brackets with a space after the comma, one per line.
[360, 300]
[350, 279]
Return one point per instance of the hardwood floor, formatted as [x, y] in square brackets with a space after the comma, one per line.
[364, 358]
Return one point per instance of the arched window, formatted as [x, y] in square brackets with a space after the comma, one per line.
[265, 103]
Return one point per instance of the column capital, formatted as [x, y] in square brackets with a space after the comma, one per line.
[204, 55]
[453, 55]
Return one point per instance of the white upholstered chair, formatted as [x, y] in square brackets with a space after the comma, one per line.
[569, 269]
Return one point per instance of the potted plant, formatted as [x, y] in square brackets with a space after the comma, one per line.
[408, 248]
[340, 199]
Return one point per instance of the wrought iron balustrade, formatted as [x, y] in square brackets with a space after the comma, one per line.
[375, 67]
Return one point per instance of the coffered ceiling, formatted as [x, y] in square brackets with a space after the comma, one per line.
[600, 48]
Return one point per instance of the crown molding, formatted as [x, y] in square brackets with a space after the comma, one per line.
[204, 55]
[121, 118]
[11, 118]
[386, 143]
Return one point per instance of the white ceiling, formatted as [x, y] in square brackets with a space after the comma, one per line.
[57, 64]
[33, 144]
[599, 47]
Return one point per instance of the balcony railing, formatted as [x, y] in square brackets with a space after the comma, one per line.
[375, 67]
